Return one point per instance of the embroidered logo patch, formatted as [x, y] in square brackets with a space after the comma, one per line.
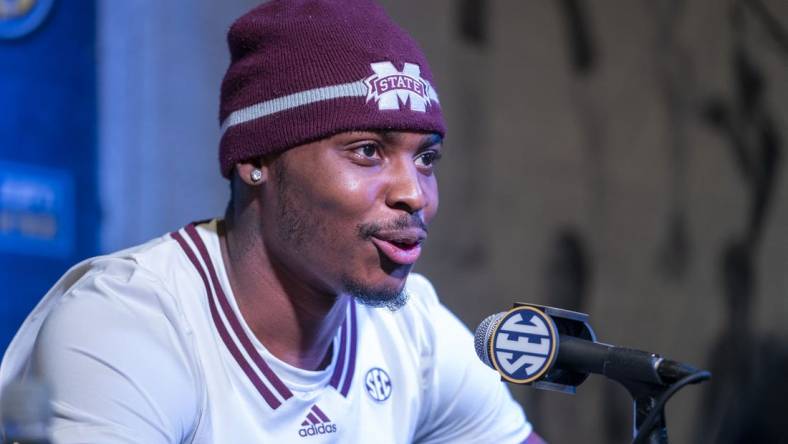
[378, 384]
[316, 423]
[393, 89]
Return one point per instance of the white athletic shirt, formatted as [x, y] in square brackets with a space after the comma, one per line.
[148, 345]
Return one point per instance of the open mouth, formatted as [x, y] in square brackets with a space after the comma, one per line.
[400, 251]
[404, 245]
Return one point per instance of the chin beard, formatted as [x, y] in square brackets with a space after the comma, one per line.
[376, 297]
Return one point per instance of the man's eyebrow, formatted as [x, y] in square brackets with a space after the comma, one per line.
[392, 136]
[427, 141]
[430, 141]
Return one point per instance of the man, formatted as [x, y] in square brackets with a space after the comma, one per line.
[268, 326]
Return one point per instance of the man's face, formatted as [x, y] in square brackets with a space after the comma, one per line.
[348, 214]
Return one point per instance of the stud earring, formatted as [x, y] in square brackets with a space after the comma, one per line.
[256, 175]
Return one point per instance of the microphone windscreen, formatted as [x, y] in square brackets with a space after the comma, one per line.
[482, 336]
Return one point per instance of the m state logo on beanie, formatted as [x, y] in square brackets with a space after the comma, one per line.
[391, 88]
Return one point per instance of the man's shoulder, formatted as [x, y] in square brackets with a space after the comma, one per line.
[102, 300]
[159, 264]
[111, 329]
[144, 280]
[157, 256]
[135, 282]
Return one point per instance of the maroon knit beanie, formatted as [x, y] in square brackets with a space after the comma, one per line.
[303, 70]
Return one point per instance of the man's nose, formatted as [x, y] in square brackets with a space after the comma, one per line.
[406, 191]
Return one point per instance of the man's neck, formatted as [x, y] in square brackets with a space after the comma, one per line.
[295, 323]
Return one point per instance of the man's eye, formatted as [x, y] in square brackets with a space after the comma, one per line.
[428, 158]
[369, 150]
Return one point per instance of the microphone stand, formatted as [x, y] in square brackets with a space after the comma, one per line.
[650, 399]
[650, 379]
[644, 400]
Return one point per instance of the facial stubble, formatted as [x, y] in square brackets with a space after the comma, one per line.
[298, 227]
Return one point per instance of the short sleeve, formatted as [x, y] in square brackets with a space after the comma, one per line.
[466, 401]
[116, 362]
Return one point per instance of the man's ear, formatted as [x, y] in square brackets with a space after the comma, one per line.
[247, 171]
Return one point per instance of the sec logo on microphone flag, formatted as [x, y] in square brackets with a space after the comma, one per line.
[524, 344]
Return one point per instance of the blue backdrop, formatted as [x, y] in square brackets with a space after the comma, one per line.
[49, 209]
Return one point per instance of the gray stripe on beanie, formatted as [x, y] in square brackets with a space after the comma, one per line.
[262, 109]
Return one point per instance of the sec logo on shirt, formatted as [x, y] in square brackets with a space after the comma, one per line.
[378, 384]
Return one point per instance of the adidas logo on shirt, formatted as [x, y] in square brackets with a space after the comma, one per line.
[316, 423]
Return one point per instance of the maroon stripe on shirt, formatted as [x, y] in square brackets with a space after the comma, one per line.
[233, 320]
[312, 419]
[228, 342]
[320, 413]
[340, 365]
[352, 360]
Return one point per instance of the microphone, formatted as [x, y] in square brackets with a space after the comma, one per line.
[556, 349]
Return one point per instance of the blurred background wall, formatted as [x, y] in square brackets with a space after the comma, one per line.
[620, 158]
[49, 195]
